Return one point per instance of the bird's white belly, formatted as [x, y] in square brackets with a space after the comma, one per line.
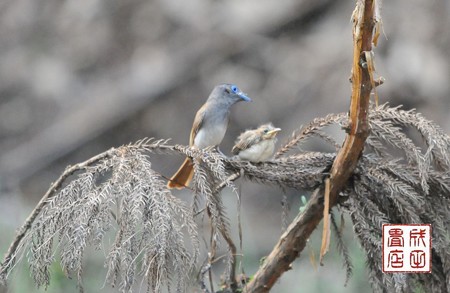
[210, 136]
[259, 152]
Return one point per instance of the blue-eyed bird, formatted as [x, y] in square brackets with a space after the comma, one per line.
[209, 127]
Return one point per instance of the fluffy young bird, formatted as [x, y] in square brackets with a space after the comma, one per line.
[209, 127]
[256, 145]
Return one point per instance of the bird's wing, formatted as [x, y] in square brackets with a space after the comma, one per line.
[246, 140]
[198, 122]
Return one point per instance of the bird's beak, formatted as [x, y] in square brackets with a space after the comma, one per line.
[273, 132]
[244, 97]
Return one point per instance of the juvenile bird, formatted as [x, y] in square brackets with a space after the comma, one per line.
[256, 145]
[209, 127]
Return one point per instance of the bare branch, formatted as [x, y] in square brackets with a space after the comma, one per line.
[294, 240]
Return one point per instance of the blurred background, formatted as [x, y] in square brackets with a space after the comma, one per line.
[80, 77]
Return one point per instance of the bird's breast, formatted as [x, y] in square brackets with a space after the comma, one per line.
[211, 134]
[258, 152]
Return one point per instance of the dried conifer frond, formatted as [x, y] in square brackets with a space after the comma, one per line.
[393, 195]
[342, 248]
[368, 232]
[209, 172]
[312, 129]
[408, 203]
[409, 189]
[204, 182]
[151, 225]
[437, 140]
[305, 170]
[386, 132]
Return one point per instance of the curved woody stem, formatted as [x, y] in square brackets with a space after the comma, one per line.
[293, 241]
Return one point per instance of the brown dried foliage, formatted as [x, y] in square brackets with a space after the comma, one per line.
[396, 181]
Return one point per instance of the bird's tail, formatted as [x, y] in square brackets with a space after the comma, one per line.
[183, 177]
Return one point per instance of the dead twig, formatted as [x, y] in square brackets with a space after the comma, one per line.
[294, 239]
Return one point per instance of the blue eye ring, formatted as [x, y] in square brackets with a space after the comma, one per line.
[234, 89]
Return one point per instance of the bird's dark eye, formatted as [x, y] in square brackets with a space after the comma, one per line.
[234, 88]
[266, 130]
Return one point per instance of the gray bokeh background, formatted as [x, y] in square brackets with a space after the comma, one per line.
[79, 77]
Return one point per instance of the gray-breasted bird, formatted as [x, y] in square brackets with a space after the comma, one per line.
[256, 145]
[209, 127]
